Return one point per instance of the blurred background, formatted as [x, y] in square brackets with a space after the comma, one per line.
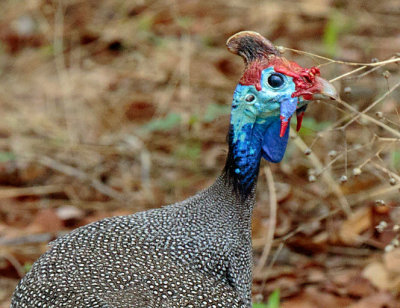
[113, 107]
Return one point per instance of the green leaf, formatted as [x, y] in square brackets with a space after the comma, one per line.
[274, 299]
[331, 34]
[170, 121]
[337, 25]
[47, 50]
[193, 119]
[214, 111]
[396, 159]
[7, 156]
[310, 126]
[27, 266]
[184, 21]
[190, 150]
[145, 22]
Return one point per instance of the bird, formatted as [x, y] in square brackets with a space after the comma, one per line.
[197, 252]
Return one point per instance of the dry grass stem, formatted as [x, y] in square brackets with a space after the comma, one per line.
[30, 191]
[82, 176]
[327, 176]
[273, 204]
[372, 105]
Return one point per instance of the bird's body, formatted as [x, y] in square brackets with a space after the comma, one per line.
[128, 256]
[196, 253]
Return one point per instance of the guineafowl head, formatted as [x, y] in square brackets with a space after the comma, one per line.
[270, 91]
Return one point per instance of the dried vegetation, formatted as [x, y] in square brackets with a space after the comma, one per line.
[111, 107]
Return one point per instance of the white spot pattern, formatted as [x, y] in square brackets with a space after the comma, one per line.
[196, 253]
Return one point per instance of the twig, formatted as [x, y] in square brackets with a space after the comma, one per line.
[272, 219]
[387, 93]
[369, 118]
[326, 176]
[271, 264]
[387, 171]
[30, 191]
[304, 226]
[345, 151]
[29, 239]
[368, 72]
[384, 139]
[369, 159]
[74, 172]
[15, 263]
[383, 190]
[379, 63]
[348, 73]
[350, 251]
[62, 71]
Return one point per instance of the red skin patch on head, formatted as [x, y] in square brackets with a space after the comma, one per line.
[252, 74]
[304, 78]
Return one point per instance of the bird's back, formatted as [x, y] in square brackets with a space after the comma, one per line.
[95, 276]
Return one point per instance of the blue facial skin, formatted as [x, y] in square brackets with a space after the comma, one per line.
[255, 126]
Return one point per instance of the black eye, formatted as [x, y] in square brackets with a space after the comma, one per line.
[275, 80]
[250, 98]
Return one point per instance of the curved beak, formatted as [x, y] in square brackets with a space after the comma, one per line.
[325, 90]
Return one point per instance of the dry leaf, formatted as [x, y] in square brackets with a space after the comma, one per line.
[312, 297]
[45, 220]
[354, 226]
[375, 301]
[378, 275]
[392, 261]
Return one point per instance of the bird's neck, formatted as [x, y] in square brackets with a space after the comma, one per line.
[243, 160]
[231, 203]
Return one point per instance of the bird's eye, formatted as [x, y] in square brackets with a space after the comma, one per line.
[250, 98]
[275, 80]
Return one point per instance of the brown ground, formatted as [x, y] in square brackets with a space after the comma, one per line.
[111, 107]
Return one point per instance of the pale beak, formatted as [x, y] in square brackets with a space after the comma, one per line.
[325, 90]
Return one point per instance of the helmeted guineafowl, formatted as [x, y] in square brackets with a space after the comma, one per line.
[195, 253]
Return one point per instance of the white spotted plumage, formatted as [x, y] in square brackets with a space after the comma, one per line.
[196, 253]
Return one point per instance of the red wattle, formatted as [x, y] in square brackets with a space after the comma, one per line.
[284, 125]
[299, 120]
